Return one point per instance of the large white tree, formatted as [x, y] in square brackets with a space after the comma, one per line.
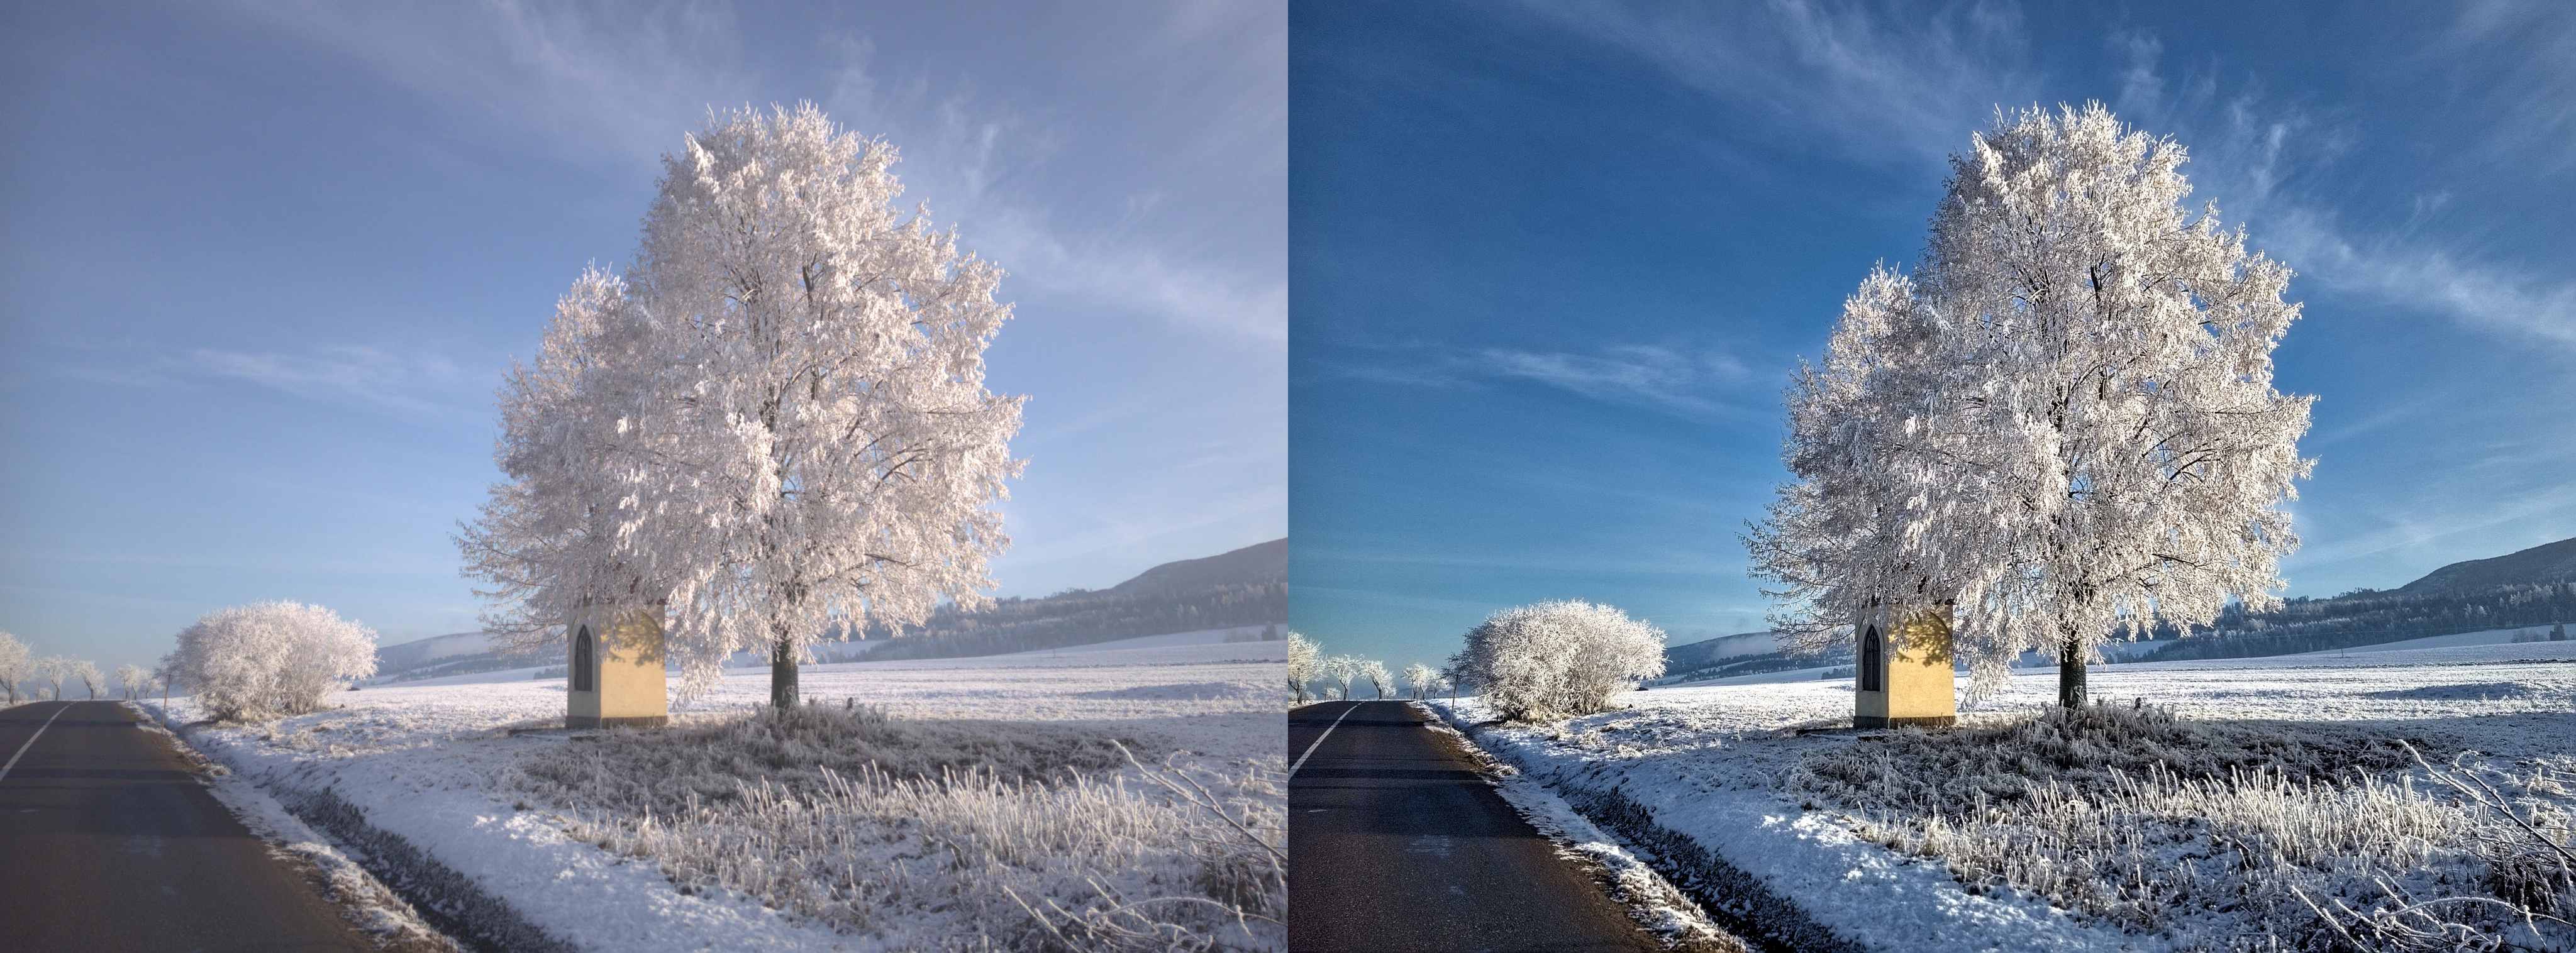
[1303, 654]
[14, 664]
[2062, 426]
[132, 678]
[1557, 659]
[773, 428]
[90, 677]
[270, 658]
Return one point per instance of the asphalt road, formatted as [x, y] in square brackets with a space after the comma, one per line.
[1396, 843]
[107, 842]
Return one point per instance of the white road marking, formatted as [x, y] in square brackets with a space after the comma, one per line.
[1310, 748]
[40, 731]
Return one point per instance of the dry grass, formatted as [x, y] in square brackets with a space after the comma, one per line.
[948, 834]
[669, 770]
[2243, 835]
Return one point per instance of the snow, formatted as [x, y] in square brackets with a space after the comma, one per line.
[431, 763]
[1702, 761]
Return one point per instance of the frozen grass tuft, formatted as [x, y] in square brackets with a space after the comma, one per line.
[962, 834]
[2308, 838]
[669, 770]
[1918, 770]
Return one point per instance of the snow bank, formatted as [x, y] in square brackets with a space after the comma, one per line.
[1702, 763]
[437, 767]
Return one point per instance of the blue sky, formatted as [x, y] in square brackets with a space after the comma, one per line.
[265, 263]
[1555, 263]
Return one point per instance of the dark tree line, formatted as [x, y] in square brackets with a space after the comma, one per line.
[1079, 617]
[2370, 617]
[1753, 665]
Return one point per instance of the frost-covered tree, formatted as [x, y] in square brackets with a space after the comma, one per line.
[1380, 680]
[1557, 659]
[133, 679]
[90, 677]
[1302, 655]
[51, 670]
[14, 664]
[1340, 671]
[2062, 426]
[774, 428]
[272, 658]
[1423, 679]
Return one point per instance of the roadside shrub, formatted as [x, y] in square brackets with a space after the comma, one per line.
[1558, 659]
[261, 661]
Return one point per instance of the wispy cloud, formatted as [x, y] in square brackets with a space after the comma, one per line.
[1879, 89]
[2466, 521]
[2372, 423]
[334, 373]
[1677, 380]
[2533, 43]
[2251, 154]
[1554, 561]
[1908, 86]
[618, 86]
[416, 383]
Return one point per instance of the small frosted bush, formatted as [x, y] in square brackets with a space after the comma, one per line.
[260, 661]
[1558, 659]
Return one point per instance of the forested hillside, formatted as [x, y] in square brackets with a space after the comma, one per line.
[2535, 587]
[1248, 586]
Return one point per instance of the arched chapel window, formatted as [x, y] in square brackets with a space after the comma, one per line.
[582, 679]
[1873, 663]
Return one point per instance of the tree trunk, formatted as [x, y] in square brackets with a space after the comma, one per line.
[2070, 673]
[782, 675]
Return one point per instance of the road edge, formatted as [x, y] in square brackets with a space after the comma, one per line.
[1735, 903]
[1653, 902]
[367, 903]
[438, 900]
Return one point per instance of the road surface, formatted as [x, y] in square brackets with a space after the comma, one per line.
[1396, 843]
[107, 842]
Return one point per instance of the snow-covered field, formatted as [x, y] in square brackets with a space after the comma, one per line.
[436, 766]
[1708, 764]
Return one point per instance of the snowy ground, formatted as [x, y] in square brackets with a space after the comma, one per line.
[436, 766]
[1706, 763]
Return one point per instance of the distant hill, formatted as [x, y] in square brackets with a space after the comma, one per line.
[432, 649]
[1245, 587]
[456, 653]
[2534, 587]
[1257, 563]
[1690, 655]
[1744, 653]
[2545, 563]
